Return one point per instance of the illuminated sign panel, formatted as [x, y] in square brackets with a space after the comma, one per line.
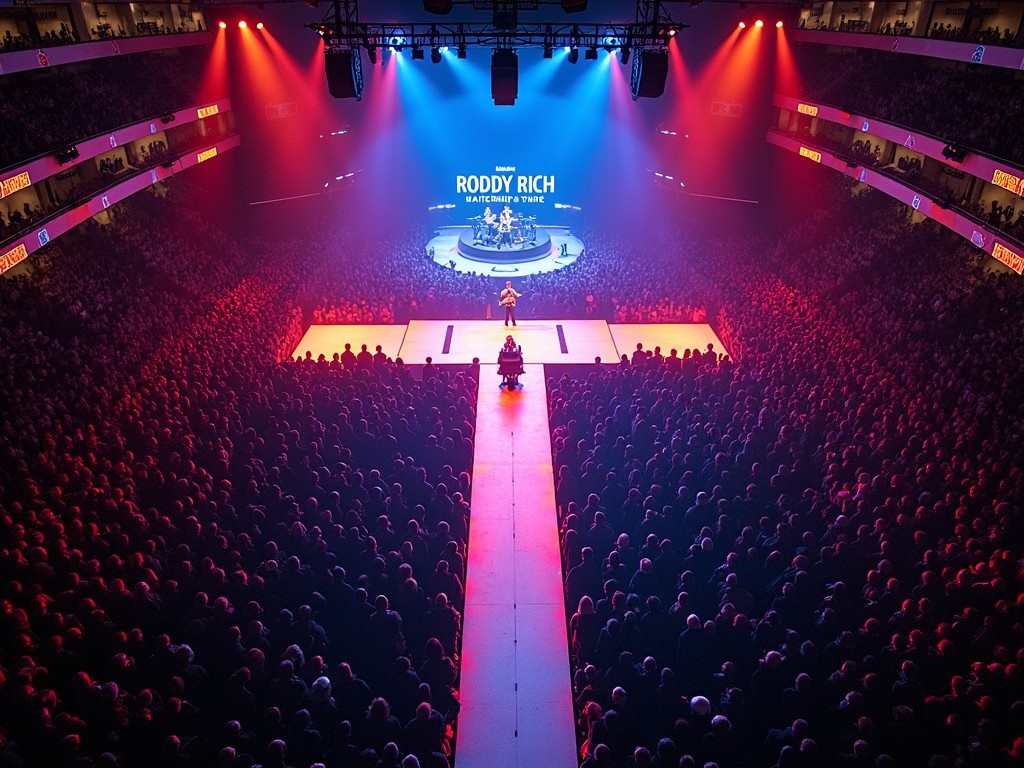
[1008, 181]
[810, 154]
[14, 183]
[12, 257]
[1013, 260]
[206, 154]
[213, 109]
[505, 185]
[807, 109]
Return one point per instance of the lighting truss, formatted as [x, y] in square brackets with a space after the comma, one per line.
[341, 30]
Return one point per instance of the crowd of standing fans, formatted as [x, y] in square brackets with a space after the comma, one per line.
[805, 553]
[210, 556]
[811, 556]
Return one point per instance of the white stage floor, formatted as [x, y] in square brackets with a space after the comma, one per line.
[457, 342]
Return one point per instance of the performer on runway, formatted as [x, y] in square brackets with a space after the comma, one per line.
[510, 363]
[508, 301]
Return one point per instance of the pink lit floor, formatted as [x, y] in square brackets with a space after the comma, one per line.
[515, 688]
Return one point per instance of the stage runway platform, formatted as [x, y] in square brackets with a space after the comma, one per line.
[548, 342]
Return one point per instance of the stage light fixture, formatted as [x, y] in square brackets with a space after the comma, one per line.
[591, 53]
[242, 24]
[742, 25]
[672, 31]
[778, 24]
[417, 53]
[574, 55]
[549, 52]
[461, 53]
[222, 24]
[758, 23]
[435, 55]
[624, 52]
[371, 52]
[259, 25]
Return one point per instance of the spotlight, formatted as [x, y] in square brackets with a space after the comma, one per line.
[574, 55]
[671, 31]
[778, 25]
[242, 24]
[758, 23]
[743, 25]
[435, 55]
[624, 54]
[259, 25]
[417, 53]
[223, 25]
[461, 53]
[591, 53]
[548, 51]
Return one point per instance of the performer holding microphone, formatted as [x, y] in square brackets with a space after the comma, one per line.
[508, 301]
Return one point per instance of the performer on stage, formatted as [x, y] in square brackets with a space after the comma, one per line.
[508, 301]
[505, 227]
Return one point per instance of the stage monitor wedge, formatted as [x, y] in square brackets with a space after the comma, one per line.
[344, 74]
[650, 70]
[504, 77]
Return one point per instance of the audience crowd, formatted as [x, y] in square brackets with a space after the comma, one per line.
[810, 557]
[936, 96]
[41, 111]
[804, 553]
[212, 557]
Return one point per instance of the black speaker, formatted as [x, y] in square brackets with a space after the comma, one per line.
[344, 74]
[954, 152]
[650, 69]
[504, 77]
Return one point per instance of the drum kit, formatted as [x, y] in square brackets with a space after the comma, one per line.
[507, 229]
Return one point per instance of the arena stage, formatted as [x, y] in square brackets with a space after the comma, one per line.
[552, 247]
[457, 342]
